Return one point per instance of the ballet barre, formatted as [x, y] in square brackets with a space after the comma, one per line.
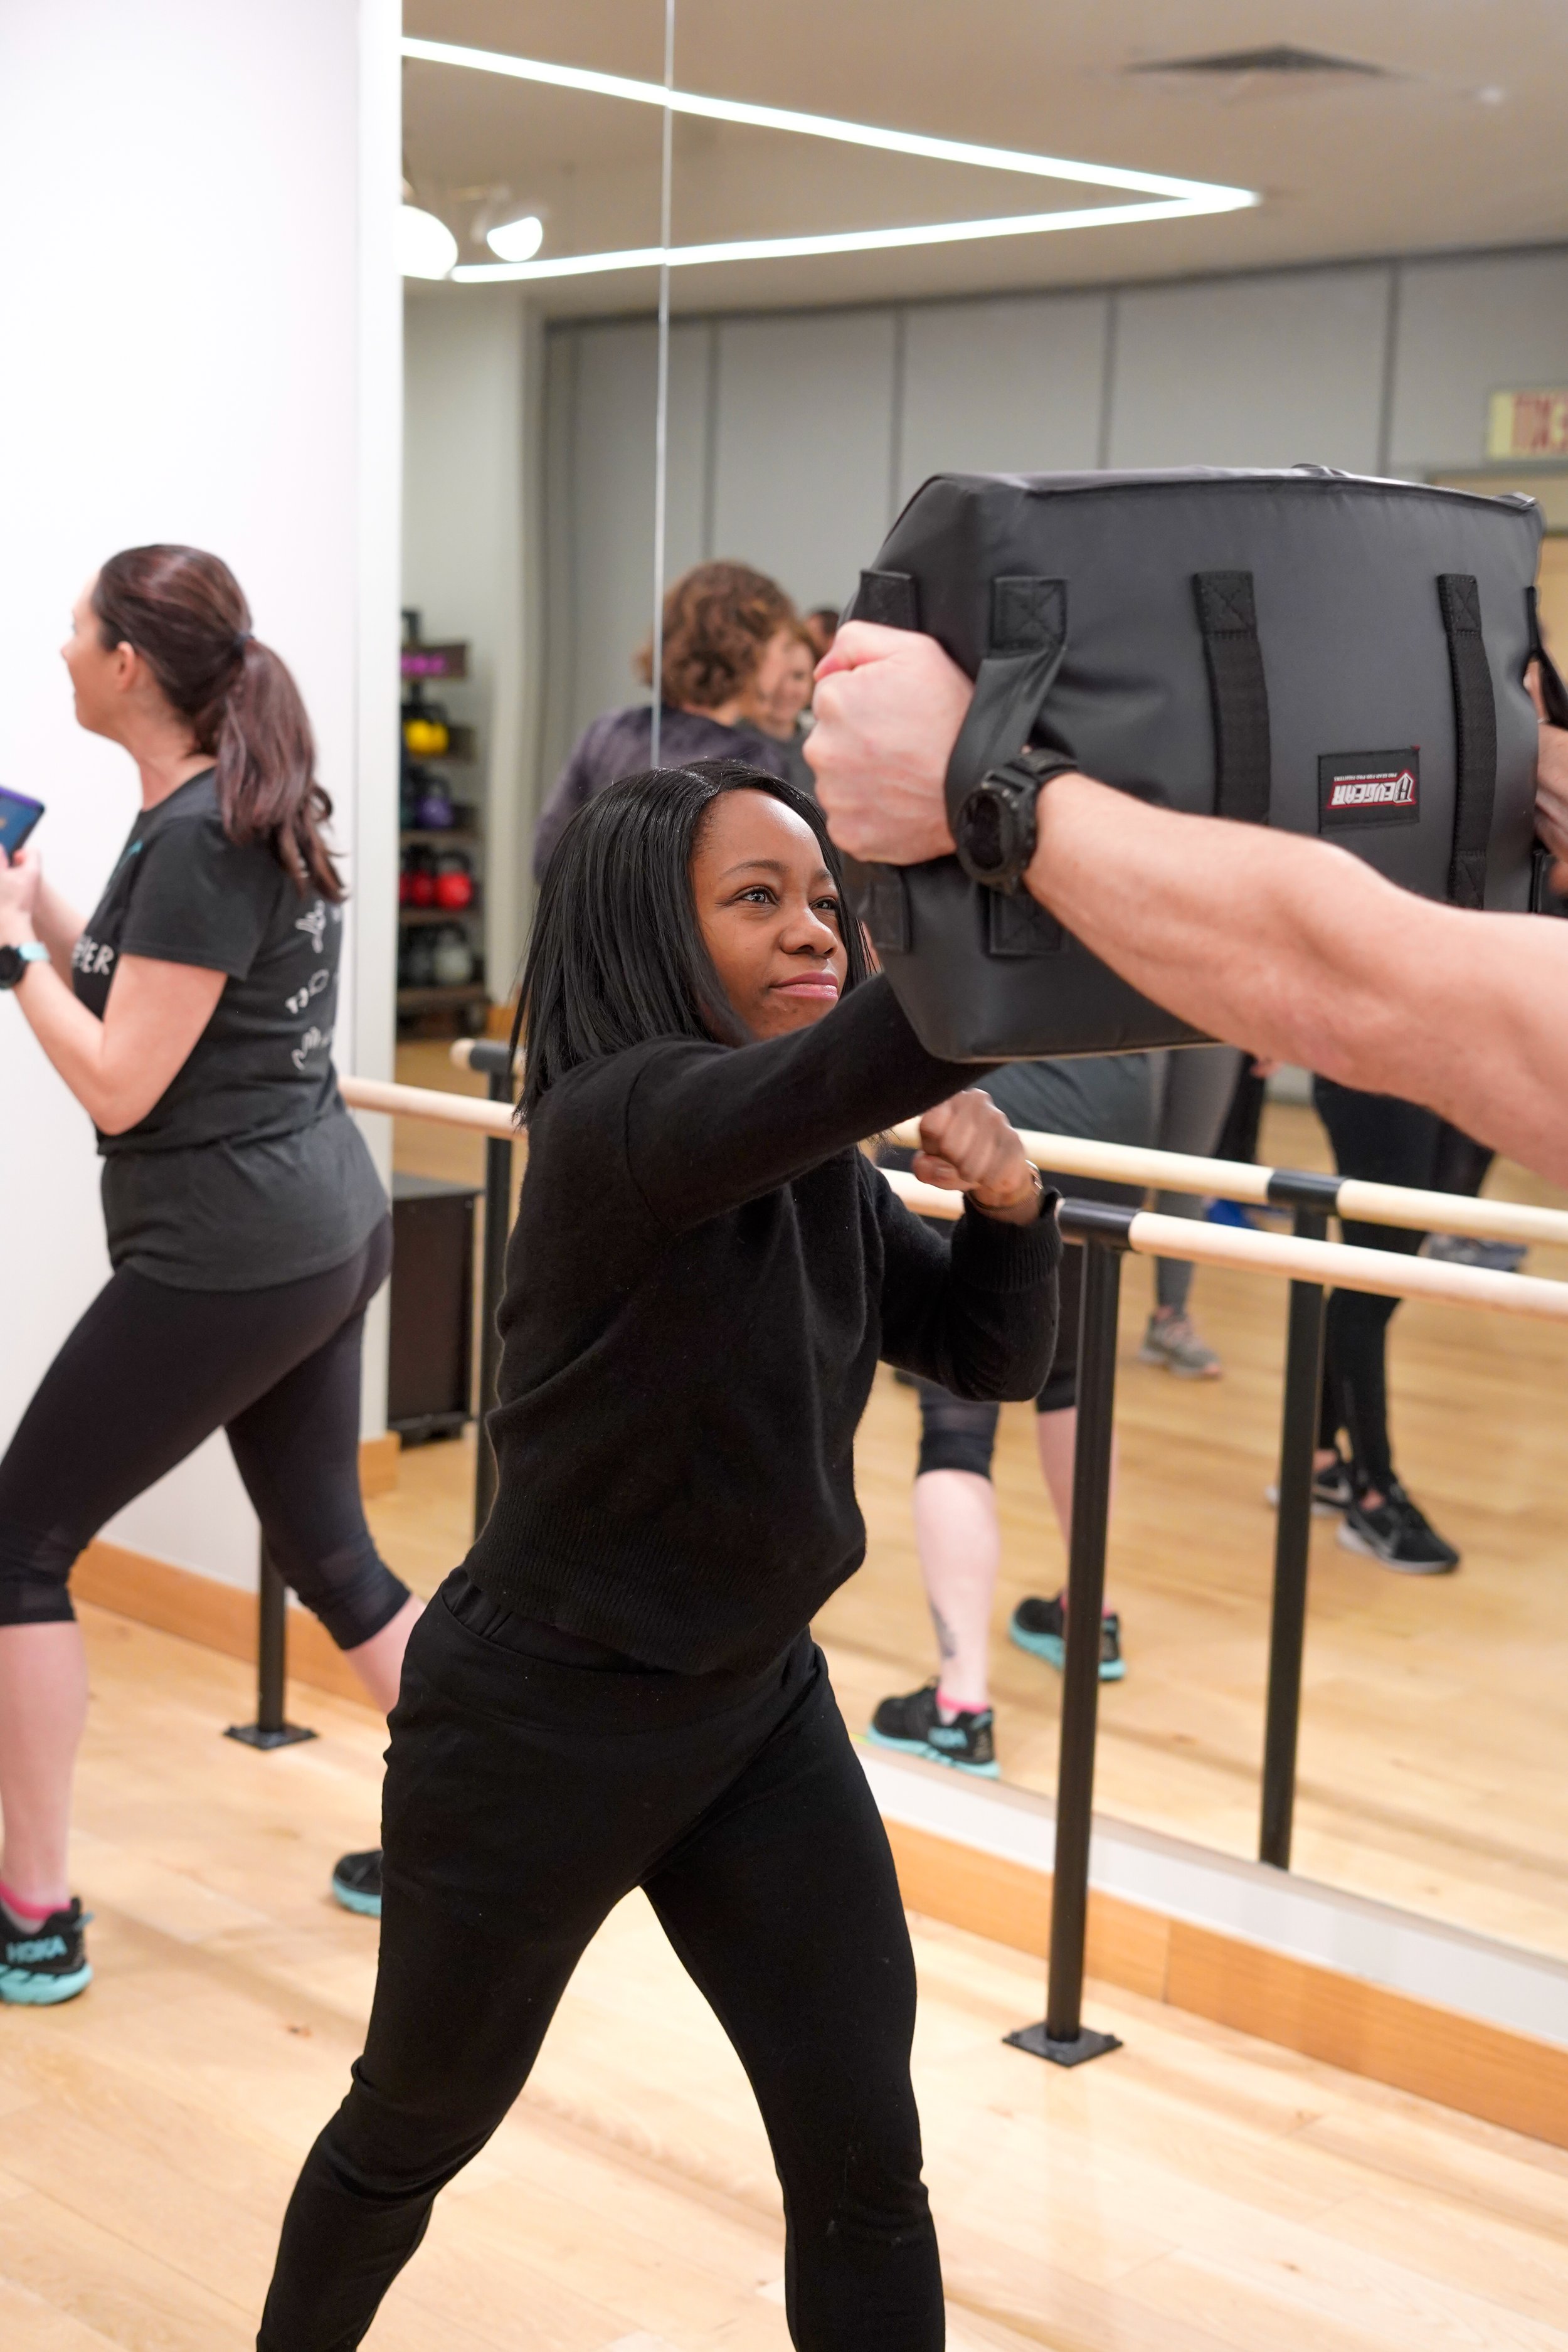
[1282, 1187]
[1306, 1259]
[1310, 1265]
[1336, 1264]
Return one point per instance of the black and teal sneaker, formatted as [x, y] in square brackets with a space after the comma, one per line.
[1040, 1627]
[47, 1962]
[356, 1882]
[914, 1724]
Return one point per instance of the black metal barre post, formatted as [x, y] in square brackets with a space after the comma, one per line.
[494, 1059]
[1064, 2038]
[1313, 1198]
[271, 1727]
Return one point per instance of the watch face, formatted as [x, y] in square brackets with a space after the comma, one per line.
[12, 967]
[983, 830]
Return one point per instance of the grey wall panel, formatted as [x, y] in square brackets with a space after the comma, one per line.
[1468, 329]
[1261, 372]
[601, 382]
[611, 493]
[803, 473]
[1002, 387]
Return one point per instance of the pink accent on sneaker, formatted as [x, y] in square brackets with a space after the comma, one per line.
[950, 1709]
[23, 1912]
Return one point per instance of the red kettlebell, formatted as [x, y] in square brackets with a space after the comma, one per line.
[422, 886]
[454, 884]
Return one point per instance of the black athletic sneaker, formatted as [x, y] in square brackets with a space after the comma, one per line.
[1040, 1627]
[1399, 1534]
[356, 1882]
[42, 1964]
[1333, 1489]
[914, 1724]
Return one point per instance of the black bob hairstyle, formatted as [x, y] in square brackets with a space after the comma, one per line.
[616, 957]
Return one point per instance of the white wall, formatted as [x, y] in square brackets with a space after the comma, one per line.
[186, 364]
[468, 511]
[804, 433]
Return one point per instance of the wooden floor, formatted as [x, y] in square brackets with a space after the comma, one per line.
[1196, 2192]
[1435, 1736]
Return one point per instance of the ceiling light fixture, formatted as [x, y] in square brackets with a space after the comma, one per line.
[1166, 198]
[425, 245]
[517, 240]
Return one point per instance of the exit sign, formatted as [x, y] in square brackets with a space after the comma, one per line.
[1528, 424]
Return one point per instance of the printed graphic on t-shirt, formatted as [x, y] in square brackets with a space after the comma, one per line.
[1369, 788]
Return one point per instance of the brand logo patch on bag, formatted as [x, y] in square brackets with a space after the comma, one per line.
[1368, 788]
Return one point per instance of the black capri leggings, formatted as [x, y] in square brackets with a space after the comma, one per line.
[524, 1798]
[147, 1374]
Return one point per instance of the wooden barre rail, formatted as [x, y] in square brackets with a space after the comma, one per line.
[1236, 1180]
[427, 1102]
[1334, 1264]
[1330, 1262]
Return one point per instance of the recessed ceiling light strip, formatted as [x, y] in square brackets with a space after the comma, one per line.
[1178, 199]
[784, 248]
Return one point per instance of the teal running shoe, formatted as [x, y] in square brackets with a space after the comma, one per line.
[1040, 1627]
[914, 1724]
[47, 1962]
[356, 1882]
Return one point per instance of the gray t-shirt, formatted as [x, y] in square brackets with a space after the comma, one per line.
[248, 1171]
[1103, 1098]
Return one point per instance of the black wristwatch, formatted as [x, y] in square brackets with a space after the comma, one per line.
[13, 962]
[994, 830]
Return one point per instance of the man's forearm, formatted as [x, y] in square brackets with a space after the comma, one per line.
[1298, 951]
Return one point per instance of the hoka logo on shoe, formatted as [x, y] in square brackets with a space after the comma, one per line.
[36, 1948]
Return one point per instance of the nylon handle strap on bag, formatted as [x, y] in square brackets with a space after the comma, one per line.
[1029, 638]
[1238, 694]
[1474, 729]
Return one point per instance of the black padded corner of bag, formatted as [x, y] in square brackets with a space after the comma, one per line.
[884, 907]
[1018, 926]
[1028, 615]
[889, 598]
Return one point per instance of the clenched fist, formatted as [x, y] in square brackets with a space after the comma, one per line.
[966, 1145]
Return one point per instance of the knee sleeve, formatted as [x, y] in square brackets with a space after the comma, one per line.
[33, 1572]
[956, 1434]
[354, 1592]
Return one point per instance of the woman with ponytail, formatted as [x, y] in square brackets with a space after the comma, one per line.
[192, 1017]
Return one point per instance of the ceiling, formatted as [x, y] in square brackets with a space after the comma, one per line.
[1456, 142]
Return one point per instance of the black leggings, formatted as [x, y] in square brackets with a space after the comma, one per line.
[523, 1799]
[1386, 1141]
[147, 1374]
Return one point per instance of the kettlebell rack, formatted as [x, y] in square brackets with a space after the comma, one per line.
[440, 909]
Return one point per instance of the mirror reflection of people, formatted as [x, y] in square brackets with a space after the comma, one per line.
[779, 716]
[1108, 1098]
[730, 639]
[192, 1017]
[1287, 946]
[619, 1686]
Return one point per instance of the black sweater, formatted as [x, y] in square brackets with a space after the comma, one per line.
[702, 1276]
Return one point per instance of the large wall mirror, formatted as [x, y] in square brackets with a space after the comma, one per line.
[797, 397]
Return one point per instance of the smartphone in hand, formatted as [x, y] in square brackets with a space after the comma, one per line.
[18, 815]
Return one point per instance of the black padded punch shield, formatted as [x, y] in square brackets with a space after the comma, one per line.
[1320, 652]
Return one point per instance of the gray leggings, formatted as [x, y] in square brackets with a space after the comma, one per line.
[1193, 1088]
